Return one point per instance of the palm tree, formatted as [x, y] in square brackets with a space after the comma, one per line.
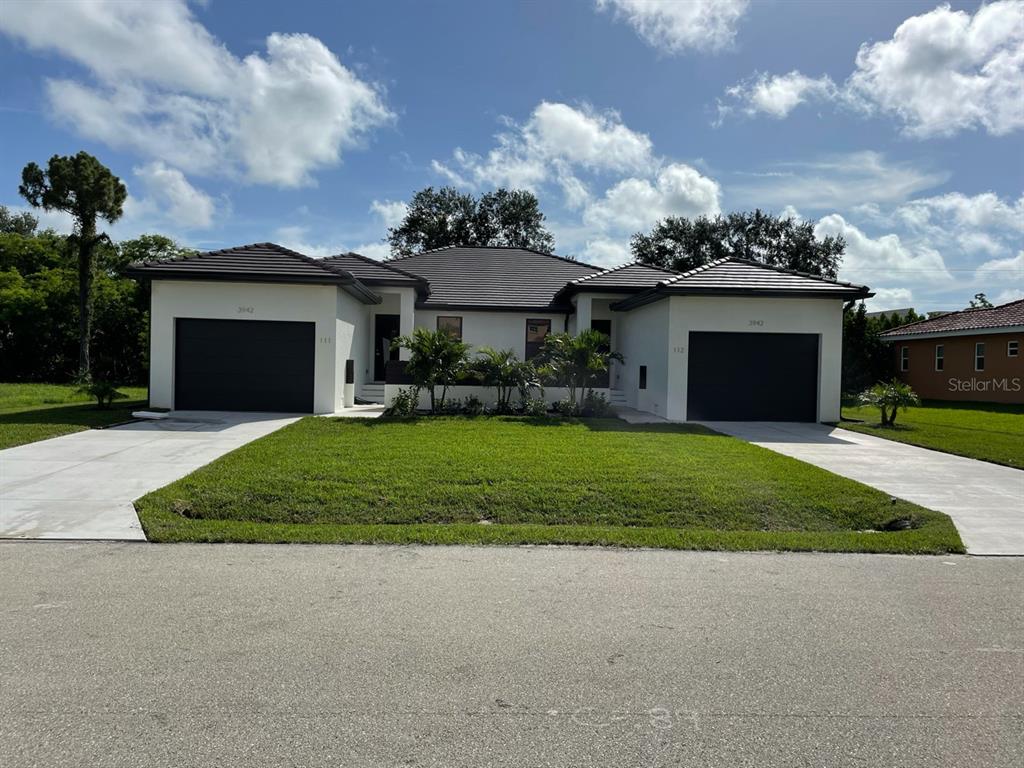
[890, 395]
[576, 361]
[502, 370]
[436, 358]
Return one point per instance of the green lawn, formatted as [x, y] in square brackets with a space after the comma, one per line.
[30, 412]
[513, 480]
[986, 431]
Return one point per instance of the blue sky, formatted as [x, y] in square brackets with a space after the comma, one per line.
[896, 124]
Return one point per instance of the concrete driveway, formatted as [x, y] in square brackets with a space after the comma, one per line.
[81, 486]
[986, 501]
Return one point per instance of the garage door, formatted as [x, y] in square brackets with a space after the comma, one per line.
[752, 377]
[243, 365]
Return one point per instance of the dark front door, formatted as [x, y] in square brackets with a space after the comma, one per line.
[385, 330]
[243, 365]
[752, 377]
[605, 327]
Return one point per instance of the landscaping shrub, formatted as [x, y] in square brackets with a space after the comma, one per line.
[595, 404]
[472, 406]
[104, 392]
[889, 398]
[404, 403]
[533, 406]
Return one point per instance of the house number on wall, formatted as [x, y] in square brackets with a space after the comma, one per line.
[246, 310]
[326, 340]
[758, 323]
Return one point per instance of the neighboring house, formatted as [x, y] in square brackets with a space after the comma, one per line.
[260, 327]
[973, 354]
[898, 314]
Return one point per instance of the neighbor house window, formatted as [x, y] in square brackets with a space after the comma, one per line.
[536, 331]
[1012, 348]
[904, 358]
[452, 324]
[643, 377]
[979, 356]
[940, 357]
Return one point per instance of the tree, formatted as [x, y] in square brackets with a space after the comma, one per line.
[143, 248]
[980, 301]
[889, 397]
[504, 372]
[441, 217]
[576, 361]
[85, 188]
[23, 223]
[436, 358]
[682, 244]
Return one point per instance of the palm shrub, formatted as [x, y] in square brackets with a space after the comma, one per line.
[501, 370]
[889, 397]
[104, 392]
[436, 359]
[576, 361]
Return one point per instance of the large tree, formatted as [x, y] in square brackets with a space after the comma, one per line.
[440, 217]
[681, 244]
[83, 187]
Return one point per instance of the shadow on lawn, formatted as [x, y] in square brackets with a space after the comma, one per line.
[82, 415]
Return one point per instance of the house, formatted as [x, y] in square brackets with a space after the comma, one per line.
[261, 327]
[973, 354]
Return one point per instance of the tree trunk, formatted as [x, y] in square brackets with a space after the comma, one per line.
[86, 244]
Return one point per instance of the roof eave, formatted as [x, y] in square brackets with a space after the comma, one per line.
[986, 331]
[349, 285]
[664, 291]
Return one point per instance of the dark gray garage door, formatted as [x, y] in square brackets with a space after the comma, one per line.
[243, 365]
[752, 377]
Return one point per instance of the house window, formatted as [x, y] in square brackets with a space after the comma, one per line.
[979, 356]
[452, 324]
[536, 331]
[904, 358]
[643, 377]
[940, 357]
[1012, 348]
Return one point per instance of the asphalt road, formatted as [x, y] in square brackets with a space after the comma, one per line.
[146, 655]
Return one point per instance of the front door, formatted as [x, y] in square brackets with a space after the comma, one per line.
[602, 380]
[385, 330]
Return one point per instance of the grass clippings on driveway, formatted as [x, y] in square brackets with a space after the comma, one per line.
[513, 481]
[986, 431]
[31, 412]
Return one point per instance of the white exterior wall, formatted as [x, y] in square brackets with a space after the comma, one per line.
[642, 336]
[501, 330]
[823, 317]
[335, 314]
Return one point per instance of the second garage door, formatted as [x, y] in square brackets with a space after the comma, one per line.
[243, 365]
[752, 377]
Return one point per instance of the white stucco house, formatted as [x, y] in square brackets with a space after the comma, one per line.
[261, 327]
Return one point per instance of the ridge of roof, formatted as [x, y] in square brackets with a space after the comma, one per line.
[377, 263]
[492, 248]
[751, 262]
[696, 270]
[634, 263]
[947, 316]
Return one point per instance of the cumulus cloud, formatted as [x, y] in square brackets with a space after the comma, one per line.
[297, 238]
[164, 87]
[390, 212]
[673, 26]
[941, 73]
[169, 191]
[1001, 272]
[634, 204]
[890, 298]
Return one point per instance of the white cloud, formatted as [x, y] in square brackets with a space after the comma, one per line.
[890, 298]
[1010, 294]
[170, 192]
[884, 259]
[1001, 272]
[634, 204]
[840, 181]
[391, 212]
[167, 89]
[942, 72]
[297, 238]
[603, 252]
[985, 211]
[674, 26]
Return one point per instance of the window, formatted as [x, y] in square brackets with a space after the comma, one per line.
[979, 356]
[643, 377]
[1012, 348]
[536, 330]
[904, 358]
[451, 324]
[940, 357]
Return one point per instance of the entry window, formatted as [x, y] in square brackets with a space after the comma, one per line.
[904, 358]
[452, 324]
[940, 357]
[643, 377]
[536, 332]
[1012, 348]
[979, 356]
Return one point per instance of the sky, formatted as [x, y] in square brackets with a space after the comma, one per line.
[899, 125]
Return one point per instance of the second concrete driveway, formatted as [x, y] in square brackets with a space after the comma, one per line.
[82, 486]
[986, 501]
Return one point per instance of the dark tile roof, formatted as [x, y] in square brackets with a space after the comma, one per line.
[499, 278]
[258, 262]
[739, 277]
[372, 272]
[1003, 316]
[632, 275]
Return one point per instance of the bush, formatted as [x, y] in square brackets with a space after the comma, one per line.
[473, 406]
[404, 403]
[104, 392]
[450, 407]
[889, 398]
[533, 406]
[595, 404]
[567, 407]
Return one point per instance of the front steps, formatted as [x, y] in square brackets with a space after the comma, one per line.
[373, 393]
[617, 398]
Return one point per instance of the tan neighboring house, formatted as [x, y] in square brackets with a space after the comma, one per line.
[971, 355]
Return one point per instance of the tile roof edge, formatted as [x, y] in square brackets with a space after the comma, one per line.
[751, 262]
[965, 310]
[494, 248]
[378, 263]
[609, 270]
